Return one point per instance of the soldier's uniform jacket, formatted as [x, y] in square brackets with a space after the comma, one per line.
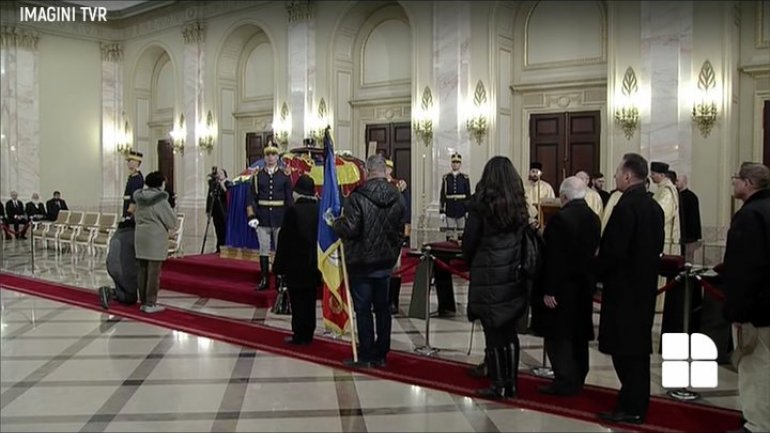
[270, 196]
[455, 191]
[135, 182]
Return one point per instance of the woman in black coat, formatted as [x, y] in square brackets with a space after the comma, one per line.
[296, 258]
[497, 292]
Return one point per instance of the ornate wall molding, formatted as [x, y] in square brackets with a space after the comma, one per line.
[299, 10]
[18, 37]
[111, 51]
[194, 32]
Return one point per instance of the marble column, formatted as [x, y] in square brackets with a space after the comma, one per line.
[20, 116]
[451, 67]
[666, 56]
[192, 188]
[112, 117]
[301, 42]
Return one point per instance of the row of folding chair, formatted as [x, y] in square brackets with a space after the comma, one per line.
[77, 229]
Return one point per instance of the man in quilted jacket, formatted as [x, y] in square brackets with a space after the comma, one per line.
[371, 228]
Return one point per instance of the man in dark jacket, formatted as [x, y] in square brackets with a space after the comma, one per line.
[628, 265]
[16, 216]
[371, 228]
[747, 285]
[566, 322]
[689, 219]
[296, 257]
[54, 205]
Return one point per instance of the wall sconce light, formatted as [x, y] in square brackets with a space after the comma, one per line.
[423, 118]
[206, 132]
[704, 110]
[178, 135]
[477, 121]
[123, 138]
[282, 126]
[627, 113]
[320, 123]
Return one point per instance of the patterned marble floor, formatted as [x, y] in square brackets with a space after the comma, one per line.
[69, 369]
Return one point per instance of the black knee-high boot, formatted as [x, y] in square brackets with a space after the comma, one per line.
[497, 369]
[512, 369]
[394, 291]
[264, 269]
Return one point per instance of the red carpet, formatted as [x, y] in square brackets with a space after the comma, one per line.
[210, 276]
[664, 414]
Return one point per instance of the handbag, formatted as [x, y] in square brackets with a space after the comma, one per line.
[282, 305]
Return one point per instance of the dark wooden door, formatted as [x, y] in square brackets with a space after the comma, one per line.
[166, 162]
[394, 141]
[766, 134]
[564, 143]
[255, 145]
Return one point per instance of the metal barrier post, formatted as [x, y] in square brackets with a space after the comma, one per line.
[32, 248]
[684, 394]
[426, 349]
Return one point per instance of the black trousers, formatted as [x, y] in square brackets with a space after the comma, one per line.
[569, 359]
[634, 374]
[220, 225]
[444, 290]
[303, 303]
[502, 336]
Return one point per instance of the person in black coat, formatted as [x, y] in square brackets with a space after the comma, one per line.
[563, 304]
[628, 265]
[216, 203]
[497, 294]
[35, 209]
[747, 286]
[54, 205]
[689, 219]
[296, 257]
[16, 215]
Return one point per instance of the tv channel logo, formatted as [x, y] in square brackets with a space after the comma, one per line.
[689, 361]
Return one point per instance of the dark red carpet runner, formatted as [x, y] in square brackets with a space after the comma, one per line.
[664, 414]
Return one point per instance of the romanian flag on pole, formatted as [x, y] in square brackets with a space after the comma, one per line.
[335, 311]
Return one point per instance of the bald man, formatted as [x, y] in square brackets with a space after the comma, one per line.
[592, 198]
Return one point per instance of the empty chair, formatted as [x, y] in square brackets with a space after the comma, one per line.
[67, 231]
[85, 231]
[103, 232]
[46, 230]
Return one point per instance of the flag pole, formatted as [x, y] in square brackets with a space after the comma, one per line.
[351, 313]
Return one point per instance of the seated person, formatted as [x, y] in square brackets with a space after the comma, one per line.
[35, 209]
[54, 205]
[16, 216]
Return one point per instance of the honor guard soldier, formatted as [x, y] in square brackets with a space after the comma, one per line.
[135, 181]
[455, 191]
[536, 189]
[270, 196]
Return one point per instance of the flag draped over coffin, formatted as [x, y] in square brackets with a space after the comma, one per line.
[335, 313]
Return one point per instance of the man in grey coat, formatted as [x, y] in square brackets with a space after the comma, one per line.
[154, 220]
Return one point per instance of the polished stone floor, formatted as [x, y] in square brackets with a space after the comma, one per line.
[70, 369]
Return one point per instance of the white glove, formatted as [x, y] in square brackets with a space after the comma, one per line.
[254, 223]
[442, 216]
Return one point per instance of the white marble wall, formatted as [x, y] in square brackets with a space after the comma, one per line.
[666, 58]
[20, 115]
[454, 88]
[301, 77]
[112, 109]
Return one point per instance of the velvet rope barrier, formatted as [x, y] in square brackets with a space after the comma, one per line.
[7, 229]
[443, 265]
[671, 284]
[711, 290]
[406, 268]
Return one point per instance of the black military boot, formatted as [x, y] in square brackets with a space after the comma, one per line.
[264, 269]
[394, 291]
[512, 369]
[497, 368]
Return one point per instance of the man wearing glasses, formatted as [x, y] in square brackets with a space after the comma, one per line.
[747, 286]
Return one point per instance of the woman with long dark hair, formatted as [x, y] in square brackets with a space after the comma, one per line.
[497, 295]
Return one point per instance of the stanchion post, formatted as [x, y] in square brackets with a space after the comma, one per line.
[32, 249]
[685, 394]
[426, 349]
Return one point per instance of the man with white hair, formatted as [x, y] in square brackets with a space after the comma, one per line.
[564, 317]
[593, 199]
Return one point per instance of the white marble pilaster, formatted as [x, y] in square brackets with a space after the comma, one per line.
[192, 188]
[112, 109]
[20, 128]
[451, 67]
[666, 54]
[301, 43]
